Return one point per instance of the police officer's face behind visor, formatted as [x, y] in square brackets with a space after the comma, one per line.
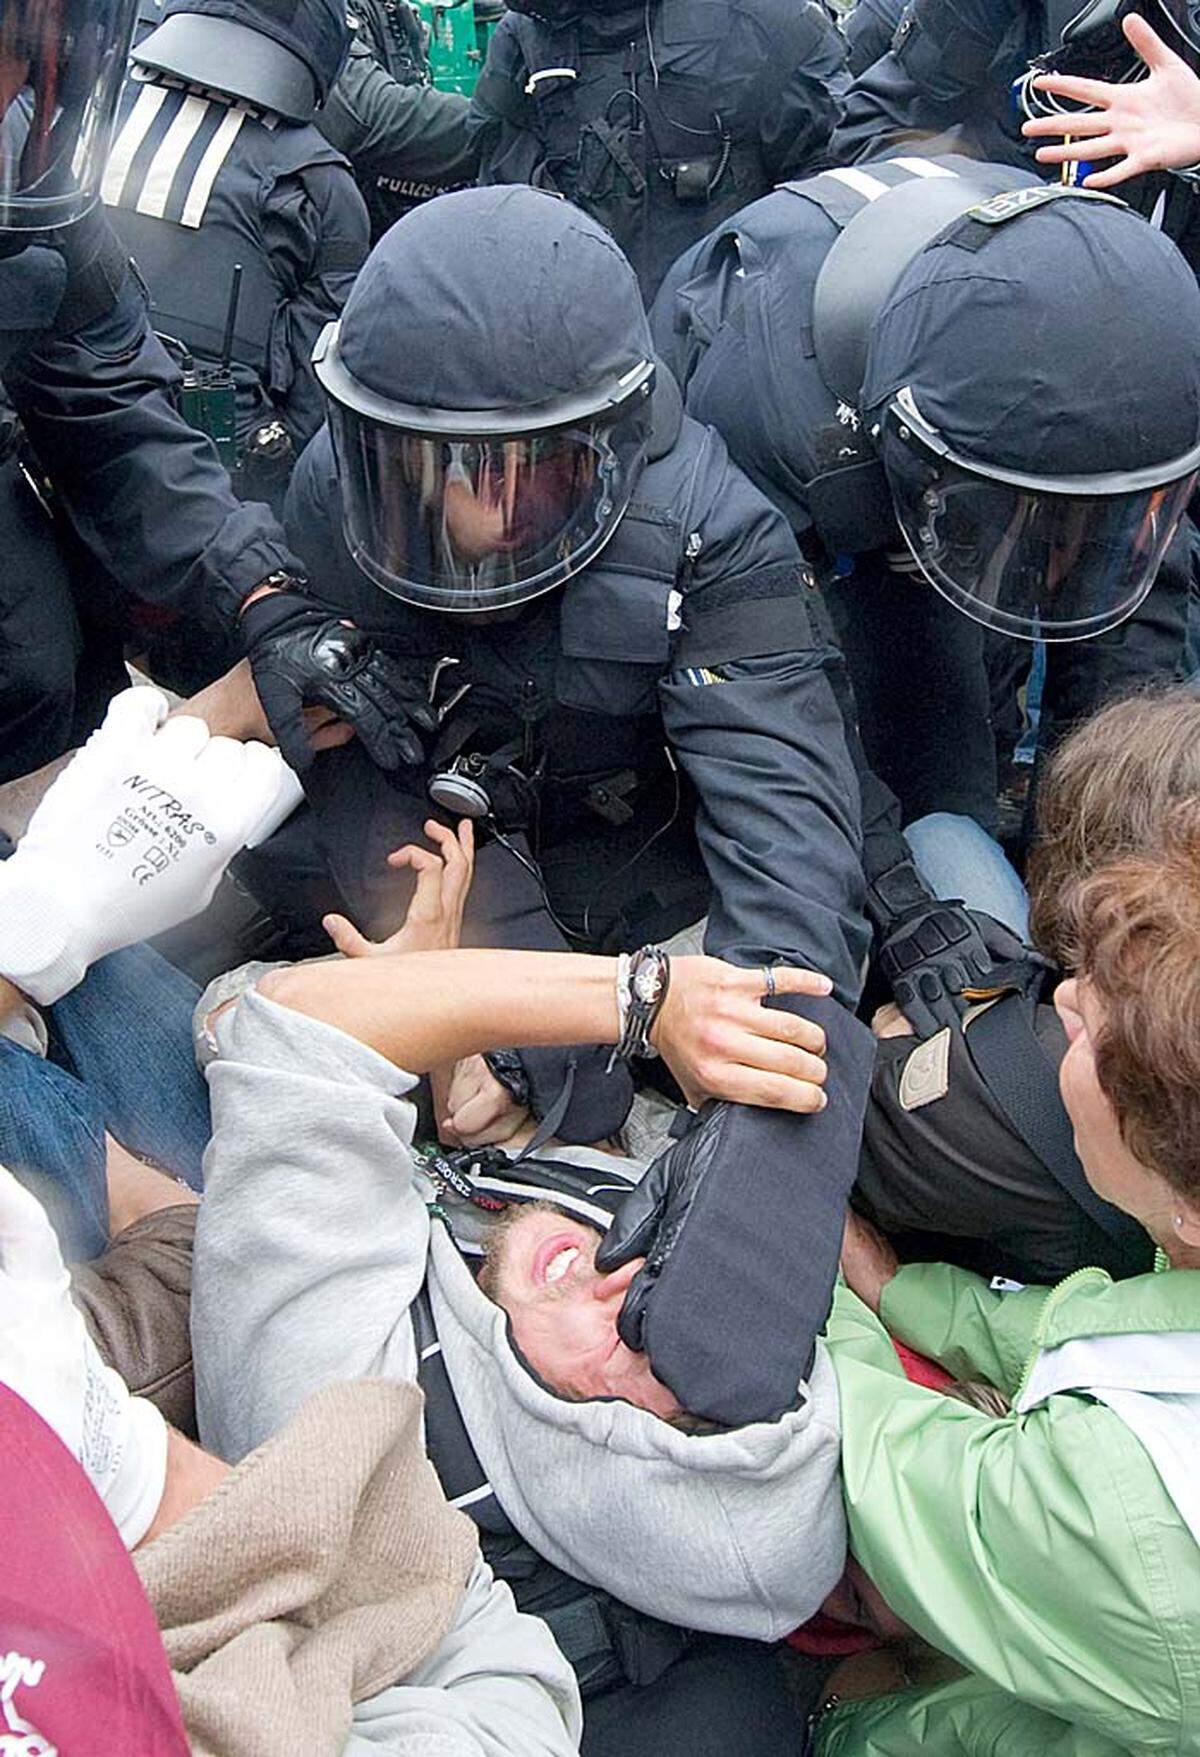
[1021, 558]
[484, 507]
[563, 1313]
[14, 72]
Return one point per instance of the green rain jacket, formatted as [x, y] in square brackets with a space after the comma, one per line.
[1055, 1552]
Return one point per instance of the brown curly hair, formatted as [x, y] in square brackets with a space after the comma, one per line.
[1107, 791]
[1136, 925]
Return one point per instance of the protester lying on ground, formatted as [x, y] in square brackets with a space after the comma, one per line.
[1053, 1551]
[1150, 124]
[624, 1527]
[328, 1569]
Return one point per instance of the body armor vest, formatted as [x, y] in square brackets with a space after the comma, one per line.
[181, 164]
[645, 149]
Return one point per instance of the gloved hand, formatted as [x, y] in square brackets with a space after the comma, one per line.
[651, 1217]
[131, 839]
[942, 958]
[48, 1359]
[300, 654]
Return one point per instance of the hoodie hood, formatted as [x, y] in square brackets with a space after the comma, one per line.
[738, 1532]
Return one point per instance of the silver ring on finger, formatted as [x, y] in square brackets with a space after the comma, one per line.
[769, 980]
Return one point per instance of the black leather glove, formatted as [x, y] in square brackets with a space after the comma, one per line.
[943, 958]
[301, 655]
[651, 1217]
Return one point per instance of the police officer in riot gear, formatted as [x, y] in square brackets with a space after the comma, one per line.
[406, 140]
[929, 408]
[105, 494]
[140, 508]
[603, 627]
[965, 380]
[216, 166]
[658, 117]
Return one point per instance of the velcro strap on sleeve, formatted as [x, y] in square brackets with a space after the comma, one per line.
[92, 283]
[769, 616]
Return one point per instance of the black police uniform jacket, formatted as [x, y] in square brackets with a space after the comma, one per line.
[659, 119]
[733, 320]
[197, 184]
[690, 626]
[406, 140]
[140, 497]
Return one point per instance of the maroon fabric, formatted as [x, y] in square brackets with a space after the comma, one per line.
[82, 1667]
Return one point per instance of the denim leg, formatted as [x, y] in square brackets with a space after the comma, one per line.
[958, 859]
[126, 1031]
[52, 1138]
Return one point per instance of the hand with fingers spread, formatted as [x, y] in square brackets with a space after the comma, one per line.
[1151, 124]
[474, 1109]
[434, 919]
[131, 839]
[49, 1360]
[719, 1040]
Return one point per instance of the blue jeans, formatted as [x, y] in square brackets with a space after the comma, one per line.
[958, 859]
[122, 1060]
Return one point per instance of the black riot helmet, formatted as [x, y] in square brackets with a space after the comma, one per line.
[1090, 44]
[490, 390]
[280, 55]
[1030, 379]
[62, 65]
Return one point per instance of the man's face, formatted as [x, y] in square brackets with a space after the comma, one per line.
[563, 1313]
[1109, 1166]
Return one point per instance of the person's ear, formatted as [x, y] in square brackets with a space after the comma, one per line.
[1186, 1223]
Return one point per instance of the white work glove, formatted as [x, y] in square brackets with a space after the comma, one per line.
[49, 1360]
[131, 839]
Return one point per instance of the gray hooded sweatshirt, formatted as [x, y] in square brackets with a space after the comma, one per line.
[314, 1238]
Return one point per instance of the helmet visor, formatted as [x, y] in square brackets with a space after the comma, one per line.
[482, 522]
[1022, 559]
[62, 63]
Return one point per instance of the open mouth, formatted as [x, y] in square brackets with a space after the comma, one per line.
[553, 1258]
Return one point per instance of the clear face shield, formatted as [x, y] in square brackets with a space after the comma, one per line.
[469, 513]
[1058, 560]
[62, 64]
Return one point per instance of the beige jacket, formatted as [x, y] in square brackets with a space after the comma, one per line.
[326, 1567]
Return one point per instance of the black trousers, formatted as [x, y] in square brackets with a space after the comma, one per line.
[41, 643]
[724, 1698]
